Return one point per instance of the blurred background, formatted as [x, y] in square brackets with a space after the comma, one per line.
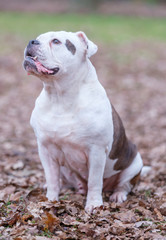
[131, 64]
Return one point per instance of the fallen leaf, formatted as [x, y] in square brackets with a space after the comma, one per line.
[159, 215]
[143, 223]
[10, 221]
[49, 221]
[163, 208]
[126, 217]
[18, 165]
[6, 192]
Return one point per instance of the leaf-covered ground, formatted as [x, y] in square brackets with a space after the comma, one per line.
[134, 76]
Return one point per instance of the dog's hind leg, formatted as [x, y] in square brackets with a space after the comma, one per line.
[127, 179]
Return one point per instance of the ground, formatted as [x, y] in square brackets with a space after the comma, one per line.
[133, 75]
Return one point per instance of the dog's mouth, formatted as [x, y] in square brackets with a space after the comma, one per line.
[33, 66]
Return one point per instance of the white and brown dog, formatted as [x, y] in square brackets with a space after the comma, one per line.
[80, 136]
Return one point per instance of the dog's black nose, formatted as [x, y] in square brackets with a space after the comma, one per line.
[33, 42]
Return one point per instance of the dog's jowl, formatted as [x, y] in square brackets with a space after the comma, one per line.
[81, 139]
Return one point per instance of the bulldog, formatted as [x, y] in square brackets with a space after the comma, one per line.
[80, 136]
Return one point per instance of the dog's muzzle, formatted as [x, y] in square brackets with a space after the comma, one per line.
[31, 62]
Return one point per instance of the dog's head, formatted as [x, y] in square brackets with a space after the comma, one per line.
[57, 53]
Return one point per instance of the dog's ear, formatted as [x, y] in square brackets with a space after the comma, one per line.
[90, 47]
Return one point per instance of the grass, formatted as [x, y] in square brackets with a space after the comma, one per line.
[19, 28]
[104, 29]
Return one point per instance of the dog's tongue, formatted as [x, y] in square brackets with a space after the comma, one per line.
[41, 68]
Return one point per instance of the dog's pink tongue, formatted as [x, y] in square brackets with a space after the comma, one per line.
[41, 68]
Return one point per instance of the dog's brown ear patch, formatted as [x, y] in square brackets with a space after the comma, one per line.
[70, 46]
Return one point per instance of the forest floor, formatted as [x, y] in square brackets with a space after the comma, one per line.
[137, 90]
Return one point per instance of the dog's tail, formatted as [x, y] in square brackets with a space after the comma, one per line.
[145, 171]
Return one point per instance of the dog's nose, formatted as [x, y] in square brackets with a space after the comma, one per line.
[33, 42]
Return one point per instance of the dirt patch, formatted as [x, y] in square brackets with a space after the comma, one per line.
[134, 77]
[127, 8]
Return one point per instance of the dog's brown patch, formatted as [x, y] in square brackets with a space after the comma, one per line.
[70, 46]
[135, 179]
[109, 184]
[122, 149]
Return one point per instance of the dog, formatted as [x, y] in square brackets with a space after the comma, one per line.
[80, 136]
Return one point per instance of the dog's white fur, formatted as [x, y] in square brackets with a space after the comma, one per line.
[73, 122]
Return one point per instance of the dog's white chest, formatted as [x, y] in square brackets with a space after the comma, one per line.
[64, 139]
[52, 127]
[68, 135]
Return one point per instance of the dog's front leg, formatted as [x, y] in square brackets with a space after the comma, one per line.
[97, 161]
[52, 172]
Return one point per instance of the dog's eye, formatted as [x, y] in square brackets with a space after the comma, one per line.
[56, 41]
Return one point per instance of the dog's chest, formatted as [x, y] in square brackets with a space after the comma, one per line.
[63, 137]
[68, 135]
[55, 127]
[77, 127]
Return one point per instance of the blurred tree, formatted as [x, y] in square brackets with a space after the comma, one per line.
[95, 3]
[92, 4]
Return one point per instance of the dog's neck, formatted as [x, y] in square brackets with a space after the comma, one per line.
[67, 89]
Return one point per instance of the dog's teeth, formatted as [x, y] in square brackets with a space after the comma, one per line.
[35, 58]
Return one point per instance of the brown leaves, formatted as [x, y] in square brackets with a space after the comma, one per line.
[49, 222]
[137, 90]
[5, 192]
[126, 216]
[10, 221]
[36, 195]
[32, 214]
[159, 215]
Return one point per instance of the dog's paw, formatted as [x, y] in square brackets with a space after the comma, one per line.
[118, 197]
[81, 188]
[52, 196]
[45, 186]
[90, 207]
